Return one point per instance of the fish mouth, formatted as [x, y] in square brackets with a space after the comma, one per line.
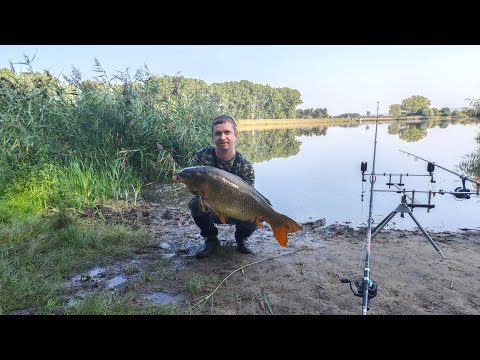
[175, 178]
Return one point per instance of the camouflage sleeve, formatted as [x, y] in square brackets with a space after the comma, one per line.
[196, 160]
[247, 173]
[203, 157]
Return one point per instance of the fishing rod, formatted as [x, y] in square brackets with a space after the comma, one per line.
[367, 289]
[367, 283]
[459, 190]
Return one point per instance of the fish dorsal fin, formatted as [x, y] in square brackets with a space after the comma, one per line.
[258, 192]
[264, 198]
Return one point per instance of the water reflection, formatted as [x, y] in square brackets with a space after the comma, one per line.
[264, 145]
[259, 145]
[471, 164]
[413, 132]
[407, 132]
[312, 173]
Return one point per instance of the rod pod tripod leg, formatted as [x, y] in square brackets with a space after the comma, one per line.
[402, 208]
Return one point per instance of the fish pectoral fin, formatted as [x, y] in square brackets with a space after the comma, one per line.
[258, 221]
[202, 203]
[222, 218]
[280, 233]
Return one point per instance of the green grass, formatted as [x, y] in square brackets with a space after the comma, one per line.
[161, 273]
[135, 127]
[111, 303]
[66, 147]
[106, 303]
[225, 252]
[38, 255]
[200, 284]
[20, 205]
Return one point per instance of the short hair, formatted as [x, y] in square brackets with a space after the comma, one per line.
[221, 119]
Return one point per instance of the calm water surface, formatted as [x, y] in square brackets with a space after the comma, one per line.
[314, 173]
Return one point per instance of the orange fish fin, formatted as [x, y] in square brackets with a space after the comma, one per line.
[280, 233]
[258, 221]
[283, 225]
[222, 218]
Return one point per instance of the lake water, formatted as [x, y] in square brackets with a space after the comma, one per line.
[314, 173]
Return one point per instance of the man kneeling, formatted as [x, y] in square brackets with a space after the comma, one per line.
[223, 156]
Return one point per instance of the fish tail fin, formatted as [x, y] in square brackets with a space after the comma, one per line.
[280, 234]
[282, 225]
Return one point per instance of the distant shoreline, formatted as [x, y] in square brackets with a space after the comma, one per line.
[252, 124]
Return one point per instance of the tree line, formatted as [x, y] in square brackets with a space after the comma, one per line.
[418, 105]
[243, 99]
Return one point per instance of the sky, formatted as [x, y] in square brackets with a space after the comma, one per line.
[340, 78]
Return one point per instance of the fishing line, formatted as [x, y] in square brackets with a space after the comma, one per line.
[357, 268]
[361, 260]
[364, 187]
[366, 287]
[363, 168]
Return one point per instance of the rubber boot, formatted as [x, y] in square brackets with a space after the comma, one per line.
[210, 247]
[209, 231]
[242, 246]
[243, 231]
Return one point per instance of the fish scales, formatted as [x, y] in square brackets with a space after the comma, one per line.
[232, 197]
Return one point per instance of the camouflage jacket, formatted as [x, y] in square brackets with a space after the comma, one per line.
[239, 165]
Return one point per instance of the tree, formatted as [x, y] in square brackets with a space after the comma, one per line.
[395, 110]
[415, 105]
[474, 109]
[312, 113]
[348, 115]
[429, 113]
[368, 113]
[445, 111]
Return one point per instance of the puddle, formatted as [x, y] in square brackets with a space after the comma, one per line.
[162, 298]
[91, 276]
[96, 271]
[115, 281]
[165, 246]
[168, 248]
[98, 276]
[72, 302]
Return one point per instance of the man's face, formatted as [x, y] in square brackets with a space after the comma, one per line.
[224, 136]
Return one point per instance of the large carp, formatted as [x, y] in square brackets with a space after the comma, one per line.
[230, 196]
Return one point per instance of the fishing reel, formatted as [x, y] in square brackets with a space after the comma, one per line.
[462, 189]
[372, 287]
[462, 196]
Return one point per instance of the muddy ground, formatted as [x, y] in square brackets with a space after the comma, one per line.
[301, 279]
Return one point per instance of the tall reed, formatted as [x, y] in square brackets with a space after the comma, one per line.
[104, 136]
